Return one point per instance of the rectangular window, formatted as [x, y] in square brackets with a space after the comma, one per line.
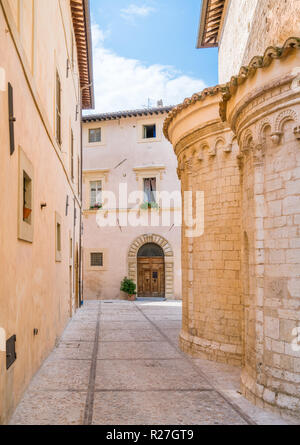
[94, 135]
[72, 155]
[58, 109]
[150, 190]
[95, 194]
[58, 238]
[97, 259]
[79, 176]
[27, 198]
[149, 131]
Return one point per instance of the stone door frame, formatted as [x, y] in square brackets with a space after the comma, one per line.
[169, 260]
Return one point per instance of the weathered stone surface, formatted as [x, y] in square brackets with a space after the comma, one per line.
[244, 267]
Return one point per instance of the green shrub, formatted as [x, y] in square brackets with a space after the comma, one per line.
[128, 286]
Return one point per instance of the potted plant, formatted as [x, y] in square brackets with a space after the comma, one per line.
[149, 205]
[129, 287]
[26, 212]
[96, 207]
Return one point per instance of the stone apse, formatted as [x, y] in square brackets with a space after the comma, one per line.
[239, 143]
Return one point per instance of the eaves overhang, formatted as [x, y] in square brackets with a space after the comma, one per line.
[210, 23]
[80, 10]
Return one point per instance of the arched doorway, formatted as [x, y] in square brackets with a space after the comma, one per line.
[151, 271]
[168, 257]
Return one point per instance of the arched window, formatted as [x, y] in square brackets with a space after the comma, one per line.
[150, 250]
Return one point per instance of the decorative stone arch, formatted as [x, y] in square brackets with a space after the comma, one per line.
[229, 145]
[266, 123]
[169, 259]
[204, 145]
[284, 116]
[219, 145]
[247, 141]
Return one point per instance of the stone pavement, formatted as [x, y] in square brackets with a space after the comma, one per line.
[118, 363]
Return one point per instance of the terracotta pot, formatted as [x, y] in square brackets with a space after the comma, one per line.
[26, 212]
[131, 298]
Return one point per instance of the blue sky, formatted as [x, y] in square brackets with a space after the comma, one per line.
[147, 49]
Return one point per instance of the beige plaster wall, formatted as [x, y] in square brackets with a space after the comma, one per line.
[121, 141]
[250, 26]
[34, 288]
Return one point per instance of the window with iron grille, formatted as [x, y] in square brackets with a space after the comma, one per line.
[94, 135]
[97, 259]
[58, 109]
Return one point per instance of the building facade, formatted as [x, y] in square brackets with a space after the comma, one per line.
[238, 142]
[128, 229]
[44, 83]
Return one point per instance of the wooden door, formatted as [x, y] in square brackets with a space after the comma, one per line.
[151, 277]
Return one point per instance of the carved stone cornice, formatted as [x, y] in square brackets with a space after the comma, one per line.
[256, 63]
[258, 100]
[230, 88]
[213, 91]
[200, 133]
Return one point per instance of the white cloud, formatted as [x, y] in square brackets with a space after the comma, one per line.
[122, 84]
[136, 11]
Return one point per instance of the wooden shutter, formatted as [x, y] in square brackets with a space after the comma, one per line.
[12, 119]
[72, 155]
[58, 109]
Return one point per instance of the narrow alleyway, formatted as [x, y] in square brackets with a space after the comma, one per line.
[118, 363]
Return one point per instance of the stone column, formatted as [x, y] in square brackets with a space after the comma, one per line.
[263, 108]
[207, 163]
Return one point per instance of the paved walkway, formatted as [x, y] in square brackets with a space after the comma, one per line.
[118, 363]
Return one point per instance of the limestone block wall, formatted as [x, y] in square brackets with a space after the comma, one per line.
[241, 276]
[207, 164]
[264, 114]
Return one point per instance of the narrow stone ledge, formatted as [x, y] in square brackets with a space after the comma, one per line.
[288, 406]
[213, 351]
